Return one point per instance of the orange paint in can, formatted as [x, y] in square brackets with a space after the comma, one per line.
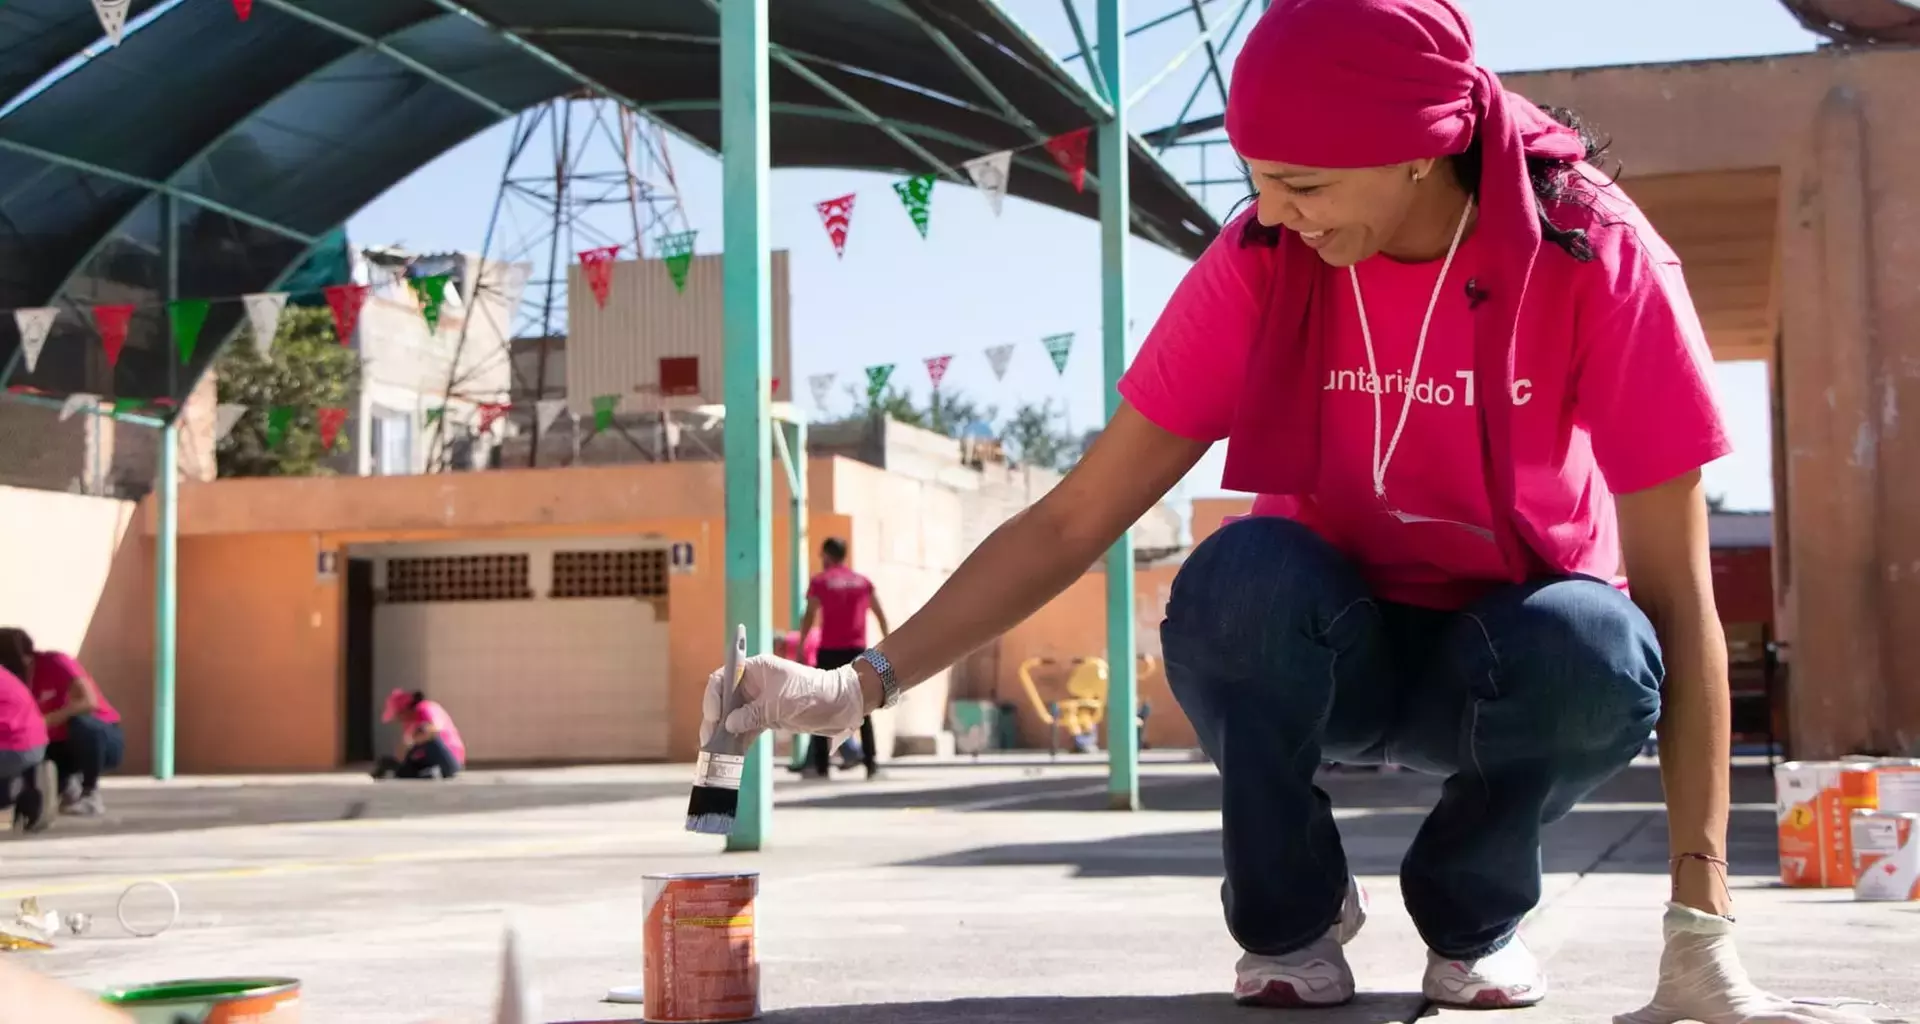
[702, 963]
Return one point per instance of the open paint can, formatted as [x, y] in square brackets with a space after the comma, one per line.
[702, 966]
[210, 1001]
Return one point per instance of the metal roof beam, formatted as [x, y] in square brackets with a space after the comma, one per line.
[382, 47]
[1203, 40]
[579, 77]
[1086, 53]
[966, 66]
[813, 78]
[159, 187]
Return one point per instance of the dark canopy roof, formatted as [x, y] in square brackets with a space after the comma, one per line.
[266, 135]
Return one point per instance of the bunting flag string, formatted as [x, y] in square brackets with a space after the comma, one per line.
[263, 316]
[999, 357]
[548, 410]
[877, 381]
[279, 418]
[916, 194]
[113, 18]
[225, 416]
[34, 324]
[432, 293]
[243, 8]
[836, 215]
[112, 322]
[77, 402]
[597, 265]
[937, 369]
[490, 413]
[185, 317]
[1070, 152]
[1059, 346]
[604, 407]
[345, 301]
[822, 385]
[676, 250]
[989, 174]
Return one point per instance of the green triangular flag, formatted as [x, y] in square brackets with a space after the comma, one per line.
[187, 316]
[279, 418]
[121, 405]
[677, 250]
[917, 195]
[603, 406]
[1058, 346]
[434, 414]
[431, 291]
[877, 381]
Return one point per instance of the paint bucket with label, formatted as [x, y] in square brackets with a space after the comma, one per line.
[701, 962]
[210, 1001]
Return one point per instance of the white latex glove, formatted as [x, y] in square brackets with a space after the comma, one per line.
[1701, 979]
[779, 694]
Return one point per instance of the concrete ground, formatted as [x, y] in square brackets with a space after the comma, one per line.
[999, 892]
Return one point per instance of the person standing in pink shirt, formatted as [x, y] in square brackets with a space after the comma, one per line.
[84, 740]
[839, 601]
[1464, 376]
[430, 744]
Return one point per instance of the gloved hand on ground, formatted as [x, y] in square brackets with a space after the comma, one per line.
[1702, 979]
[779, 694]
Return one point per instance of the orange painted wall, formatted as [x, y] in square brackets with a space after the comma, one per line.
[261, 644]
[1208, 513]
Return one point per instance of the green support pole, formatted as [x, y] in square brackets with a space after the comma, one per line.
[748, 303]
[167, 538]
[795, 451]
[1123, 689]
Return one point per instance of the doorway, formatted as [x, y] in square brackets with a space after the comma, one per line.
[357, 746]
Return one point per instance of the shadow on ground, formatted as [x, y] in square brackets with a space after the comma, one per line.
[160, 809]
[1187, 1009]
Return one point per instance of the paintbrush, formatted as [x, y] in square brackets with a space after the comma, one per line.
[723, 759]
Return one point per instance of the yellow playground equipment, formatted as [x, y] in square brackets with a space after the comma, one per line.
[1081, 711]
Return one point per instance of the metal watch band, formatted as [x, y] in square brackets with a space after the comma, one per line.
[889, 683]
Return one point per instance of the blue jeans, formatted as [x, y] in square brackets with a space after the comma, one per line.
[1525, 701]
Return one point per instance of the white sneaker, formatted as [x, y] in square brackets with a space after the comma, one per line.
[1317, 975]
[1508, 977]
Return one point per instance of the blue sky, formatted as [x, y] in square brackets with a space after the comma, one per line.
[979, 281]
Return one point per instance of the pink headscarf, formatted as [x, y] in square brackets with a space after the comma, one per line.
[1369, 83]
[399, 702]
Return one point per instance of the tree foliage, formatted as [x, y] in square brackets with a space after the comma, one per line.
[1033, 434]
[307, 370]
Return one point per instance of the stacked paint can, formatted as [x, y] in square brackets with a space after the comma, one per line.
[1852, 823]
[210, 1001]
[702, 965]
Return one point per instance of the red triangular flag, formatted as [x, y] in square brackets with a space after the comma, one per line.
[331, 420]
[1070, 152]
[597, 264]
[775, 389]
[490, 412]
[836, 215]
[243, 8]
[937, 369]
[111, 322]
[345, 300]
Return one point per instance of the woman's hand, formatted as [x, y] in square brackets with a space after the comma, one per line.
[1701, 979]
[779, 694]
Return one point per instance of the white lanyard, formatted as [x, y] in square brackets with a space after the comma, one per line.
[1381, 460]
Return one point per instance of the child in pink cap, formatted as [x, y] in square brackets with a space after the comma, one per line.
[430, 744]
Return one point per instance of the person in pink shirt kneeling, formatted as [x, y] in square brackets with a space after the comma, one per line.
[25, 780]
[430, 744]
[1463, 375]
[84, 740]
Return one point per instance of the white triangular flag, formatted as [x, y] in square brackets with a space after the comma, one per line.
[519, 1003]
[79, 402]
[225, 415]
[547, 410]
[822, 384]
[113, 17]
[35, 324]
[1000, 356]
[263, 312]
[989, 175]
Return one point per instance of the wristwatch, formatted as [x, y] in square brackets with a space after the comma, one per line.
[889, 683]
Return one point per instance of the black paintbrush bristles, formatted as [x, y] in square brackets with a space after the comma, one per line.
[710, 810]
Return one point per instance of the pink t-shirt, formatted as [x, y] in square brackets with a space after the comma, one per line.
[432, 713]
[1612, 394]
[845, 597]
[53, 675]
[22, 727]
